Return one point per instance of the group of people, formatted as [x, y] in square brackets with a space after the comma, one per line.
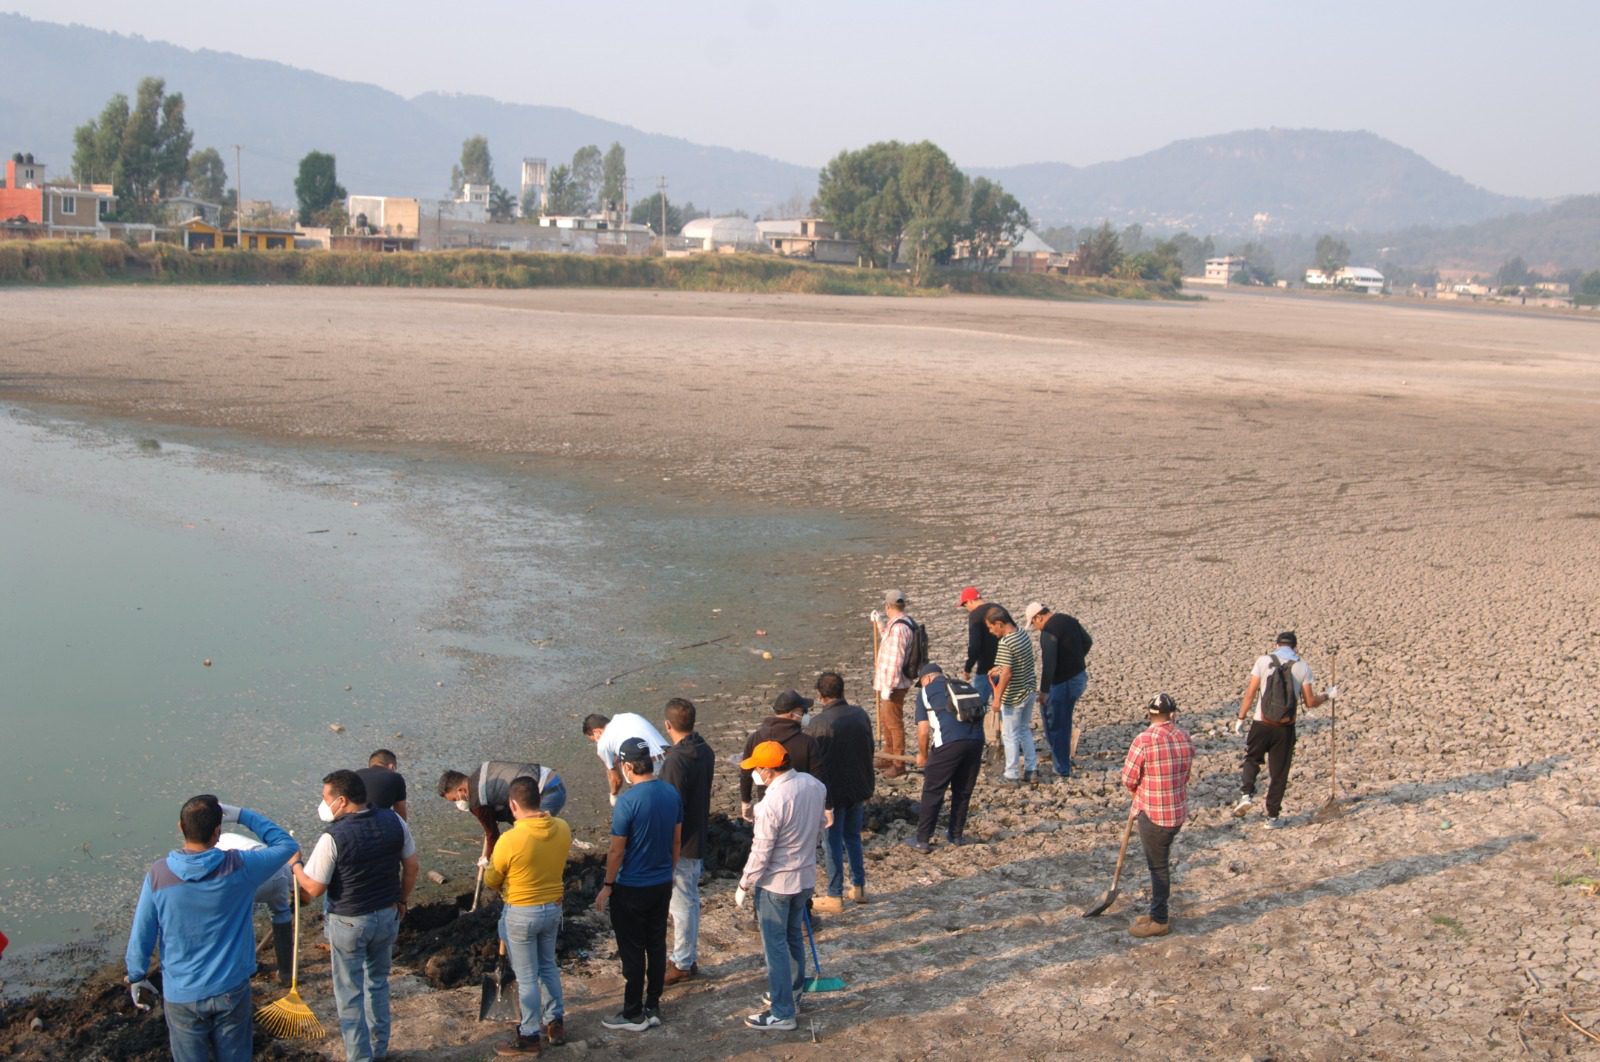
[805, 778]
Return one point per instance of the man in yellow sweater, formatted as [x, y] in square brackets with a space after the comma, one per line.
[528, 868]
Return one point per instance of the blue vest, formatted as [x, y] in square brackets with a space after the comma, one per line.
[366, 866]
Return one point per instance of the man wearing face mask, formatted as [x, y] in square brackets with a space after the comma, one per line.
[486, 793]
[786, 726]
[366, 865]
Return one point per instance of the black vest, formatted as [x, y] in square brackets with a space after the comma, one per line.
[366, 867]
[491, 786]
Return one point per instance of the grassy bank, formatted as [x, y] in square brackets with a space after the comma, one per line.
[100, 262]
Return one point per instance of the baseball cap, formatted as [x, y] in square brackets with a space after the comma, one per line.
[634, 750]
[1288, 638]
[969, 593]
[893, 597]
[930, 669]
[1033, 609]
[768, 754]
[788, 701]
[1161, 704]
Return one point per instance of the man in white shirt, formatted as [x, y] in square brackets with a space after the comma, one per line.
[609, 732]
[1279, 682]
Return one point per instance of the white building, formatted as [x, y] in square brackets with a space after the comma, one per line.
[725, 234]
[1223, 270]
[1355, 278]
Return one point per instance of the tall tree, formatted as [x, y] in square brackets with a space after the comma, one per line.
[994, 221]
[934, 191]
[588, 173]
[502, 204]
[1100, 254]
[98, 144]
[142, 151]
[859, 191]
[208, 178]
[475, 167]
[317, 185]
[614, 176]
[1332, 254]
[562, 197]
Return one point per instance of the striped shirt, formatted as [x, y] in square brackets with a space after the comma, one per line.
[1157, 772]
[1016, 652]
[888, 674]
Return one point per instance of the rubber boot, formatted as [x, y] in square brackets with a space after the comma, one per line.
[283, 946]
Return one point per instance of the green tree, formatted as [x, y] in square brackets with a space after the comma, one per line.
[933, 191]
[562, 197]
[208, 178]
[502, 204]
[614, 175]
[859, 191]
[1161, 264]
[588, 173]
[647, 211]
[1515, 273]
[1587, 291]
[143, 152]
[994, 221]
[97, 155]
[1263, 267]
[317, 185]
[1331, 254]
[1194, 253]
[1100, 253]
[475, 167]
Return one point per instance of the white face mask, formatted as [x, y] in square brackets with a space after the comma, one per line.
[462, 804]
[805, 719]
[324, 812]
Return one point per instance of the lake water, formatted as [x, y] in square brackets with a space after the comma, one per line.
[450, 611]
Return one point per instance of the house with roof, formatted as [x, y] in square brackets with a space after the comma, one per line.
[812, 238]
[197, 234]
[61, 209]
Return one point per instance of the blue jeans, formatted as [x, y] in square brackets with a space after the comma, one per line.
[218, 1023]
[985, 688]
[274, 892]
[1058, 720]
[844, 837]
[530, 935]
[1016, 730]
[553, 797]
[685, 910]
[360, 949]
[783, 939]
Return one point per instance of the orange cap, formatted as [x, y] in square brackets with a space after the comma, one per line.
[768, 754]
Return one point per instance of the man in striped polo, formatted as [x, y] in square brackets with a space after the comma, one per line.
[1156, 772]
[1015, 682]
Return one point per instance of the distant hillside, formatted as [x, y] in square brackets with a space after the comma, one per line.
[57, 77]
[1303, 180]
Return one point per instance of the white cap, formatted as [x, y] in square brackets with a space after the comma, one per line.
[1033, 610]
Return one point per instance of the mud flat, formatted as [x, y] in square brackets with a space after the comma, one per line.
[1419, 488]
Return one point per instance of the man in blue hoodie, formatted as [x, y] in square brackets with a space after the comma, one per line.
[197, 903]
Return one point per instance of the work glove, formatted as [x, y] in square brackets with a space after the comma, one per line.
[230, 813]
[613, 800]
[1332, 691]
[483, 862]
[746, 812]
[739, 895]
[1238, 726]
[877, 617]
[138, 987]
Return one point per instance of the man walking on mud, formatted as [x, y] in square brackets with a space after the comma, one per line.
[1156, 772]
[1278, 683]
[891, 678]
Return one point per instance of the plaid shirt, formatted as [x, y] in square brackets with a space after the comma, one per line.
[1157, 772]
[893, 649]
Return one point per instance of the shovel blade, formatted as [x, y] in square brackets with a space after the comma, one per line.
[1328, 812]
[498, 1002]
[1104, 905]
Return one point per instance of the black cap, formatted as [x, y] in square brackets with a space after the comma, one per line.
[789, 701]
[1161, 704]
[634, 750]
[1288, 638]
[930, 669]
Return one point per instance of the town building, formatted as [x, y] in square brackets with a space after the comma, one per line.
[61, 209]
[198, 235]
[1222, 270]
[811, 238]
[385, 215]
[177, 209]
[726, 235]
[1352, 278]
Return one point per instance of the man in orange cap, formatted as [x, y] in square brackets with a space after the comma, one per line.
[782, 870]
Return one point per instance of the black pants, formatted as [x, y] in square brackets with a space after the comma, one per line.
[639, 917]
[1275, 744]
[952, 766]
[1157, 842]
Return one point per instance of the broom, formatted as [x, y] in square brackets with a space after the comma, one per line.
[819, 983]
[289, 1018]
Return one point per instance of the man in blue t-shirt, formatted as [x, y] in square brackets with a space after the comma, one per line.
[646, 831]
[950, 754]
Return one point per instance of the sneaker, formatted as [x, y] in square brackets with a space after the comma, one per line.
[620, 1020]
[1276, 823]
[855, 893]
[918, 845]
[821, 905]
[1241, 807]
[555, 1033]
[765, 1020]
[1143, 926]
[652, 1017]
[1006, 779]
[522, 1045]
[676, 973]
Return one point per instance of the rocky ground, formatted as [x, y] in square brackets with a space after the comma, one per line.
[1414, 487]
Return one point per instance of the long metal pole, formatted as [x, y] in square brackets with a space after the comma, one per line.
[238, 196]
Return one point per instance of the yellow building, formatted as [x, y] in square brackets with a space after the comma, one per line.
[201, 236]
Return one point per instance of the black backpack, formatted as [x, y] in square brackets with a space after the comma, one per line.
[965, 703]
[1278, 695]
[919, 649]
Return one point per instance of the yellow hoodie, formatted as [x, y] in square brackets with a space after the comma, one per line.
[530, 861]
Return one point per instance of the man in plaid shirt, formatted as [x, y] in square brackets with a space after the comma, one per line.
[1156, 772]
[895, 632]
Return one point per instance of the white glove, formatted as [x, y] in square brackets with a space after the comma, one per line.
[483, 862]
[746, 812]
[877, 617]
[1238, 726]
[1332, 691]
[739, 895]
[229, 812]
[142, 986]
[613, 800]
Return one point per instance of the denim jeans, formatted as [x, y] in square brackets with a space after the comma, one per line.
[685, 911]
[1058, 720]
[843, 839]
[530, 934]
[1016, 730]
[360, 949]
[219, 1023]
[783, 939]
[553, 797]
[1157, 843]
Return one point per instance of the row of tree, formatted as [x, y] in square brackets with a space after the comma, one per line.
[591, 182]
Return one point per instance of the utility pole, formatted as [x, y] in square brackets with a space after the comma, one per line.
[661, 192]
[238, 200]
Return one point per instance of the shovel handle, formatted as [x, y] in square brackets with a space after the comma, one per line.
[1122, 853]
[477, 889]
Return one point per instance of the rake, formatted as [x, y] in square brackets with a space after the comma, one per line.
[819, 983]
[1333, 809]
[289, 1018]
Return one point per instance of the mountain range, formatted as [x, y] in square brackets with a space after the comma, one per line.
[1245, 183]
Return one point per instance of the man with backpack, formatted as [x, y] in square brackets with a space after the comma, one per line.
[902, 650]
[1279, 682]
[949, 751]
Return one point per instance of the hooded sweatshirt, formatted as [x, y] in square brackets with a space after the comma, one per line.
[197, 906]
[801, 747]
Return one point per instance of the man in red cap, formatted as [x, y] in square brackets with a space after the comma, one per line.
[782, 870]
[981, 647]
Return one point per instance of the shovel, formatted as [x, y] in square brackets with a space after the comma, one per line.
[1111, 897]
[498, 1003]
[1332, 810]
[819, 983]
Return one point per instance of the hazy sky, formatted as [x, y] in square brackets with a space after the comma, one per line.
[1496, 93]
